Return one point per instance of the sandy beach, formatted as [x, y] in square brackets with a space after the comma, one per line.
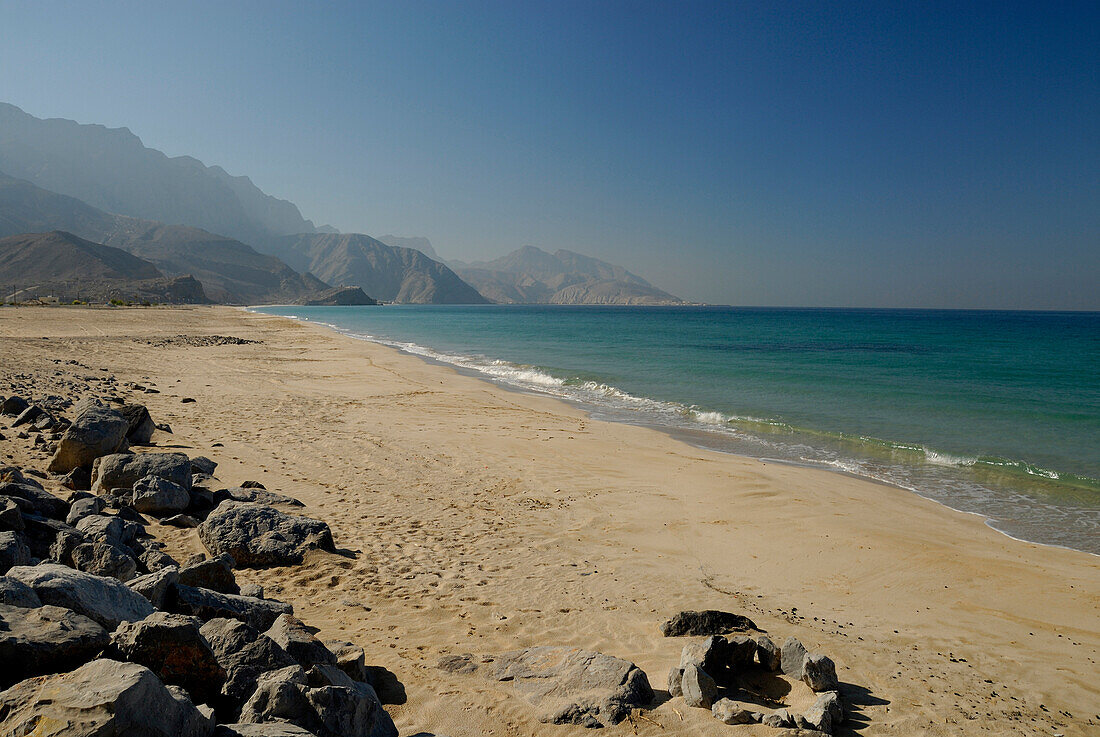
[481, 520]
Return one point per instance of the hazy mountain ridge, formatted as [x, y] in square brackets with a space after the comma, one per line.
[63, 265]
[388, 273]
[418, 242]
[230, 271]
[111, 169]
[530, 275]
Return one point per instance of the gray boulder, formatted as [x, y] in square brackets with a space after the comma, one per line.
[106, 600]
[98, 699]
[96, 430]
[742, 652]
[675, 681]
[17, 593]
[203, 465]
[711, 654]
[819, 673]
[351, 659]
[206, 605]
[244, 654]
[29, 415]
[140, 426]
[325, 702]
[43, 640]
[258, 536]
[13, 406]
[31, 499]
[156, 585]
[123, 470]
[108, 528]
[768, 654]
[792, 655]
[824, 715]
[84, 507]
[698, 688]
[151, 555]
[13, 551]
[781, 719]
[704, 623]
[160, 497]
[730, 712]
[215, 574]
[172, 647]
[573, 686]
[252, 589]
[292, 635]
[11, 518]
[256, 495]
[104, 559]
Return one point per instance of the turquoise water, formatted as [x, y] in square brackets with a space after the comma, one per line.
[996, 413]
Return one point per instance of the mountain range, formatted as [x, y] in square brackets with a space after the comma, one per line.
[105, 186]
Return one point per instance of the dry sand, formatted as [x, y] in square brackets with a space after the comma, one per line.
[485, 520]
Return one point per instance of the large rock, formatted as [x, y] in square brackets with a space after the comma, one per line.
[698, 688]
[140, 426]
[258, 536]
[215, 574]
[160, 497]
[123, 470]
[768, 654]
[793, 653]
[255, 494]
[31, 499]
[156, 585]
[292, 635]
[570, 685]
[206, 604]
[824, 715]
[13, 551]
[104, 559]
[742, 652]
[711, 654]
[676, 681]
[84, 507]
[108, 528]
[17, 593]
[106, 600]
[324, 701]
[245, 655]
[704, 623]
[819, 673]
[11, 517]
[13, 406]
[203, 465]
[171, 646]
[102, 698]
[47, 639]
[730, 712]
[97, 430]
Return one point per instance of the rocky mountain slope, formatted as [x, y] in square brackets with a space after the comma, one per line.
[419, 243]
[530, 275]
[388, 273]
[111, 169]
[67, 267]
[230, 271]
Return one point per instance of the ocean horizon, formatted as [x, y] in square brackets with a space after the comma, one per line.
[995, 413]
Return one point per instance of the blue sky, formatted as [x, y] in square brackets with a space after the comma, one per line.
[857, 154]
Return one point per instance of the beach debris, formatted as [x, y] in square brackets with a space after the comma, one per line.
[573, 686]
[215, 574]
[171, 646]
[706, 622]
[45, 639]
[140, 424]
[123, 470]
[102, 697]
[108, 601]
[159, 497]
[792, 656]
[206, 605]
[96, 431]
[698, 688]
[819, 673]
[259, 536]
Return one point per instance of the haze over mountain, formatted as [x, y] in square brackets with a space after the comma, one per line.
[419, 243]
[62, 265]
[530, 275]
[388, 273]
[111, 169]
[230, 271]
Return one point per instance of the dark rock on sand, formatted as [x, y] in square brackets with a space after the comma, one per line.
[84, 507]
[206, 605]
[184, 521]
[28, 416]
[123, 470]
[324, 701]
[819, 673]
[574, 686]
[140, 425]
[292, 635]
[768, 654]
[171, 646]
[698, 688]
[258, 536]
[793, 654]
[707, 622]
[203, 465]
[78, 479]
[742, 652]
[254, 494]
[215, 574]
[13, 406]
[106, 600]
[159, 497]
[825, 714]
[245, 655]
[100, 698]
[711, 654]
[97, 430]
[46, 639]
[270, 729]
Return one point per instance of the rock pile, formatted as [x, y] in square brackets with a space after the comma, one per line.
[103, 631]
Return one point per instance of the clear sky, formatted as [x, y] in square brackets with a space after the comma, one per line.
[774, 153]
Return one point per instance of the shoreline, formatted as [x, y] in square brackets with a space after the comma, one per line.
[681, 434]
[486, 520]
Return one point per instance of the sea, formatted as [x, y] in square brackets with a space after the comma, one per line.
[991, 413]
